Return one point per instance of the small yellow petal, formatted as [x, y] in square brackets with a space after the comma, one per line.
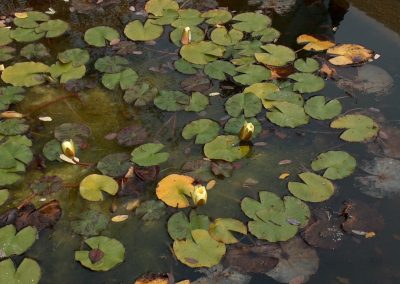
[370, 235]
[119, 218]
[211, 184]
[283, 176]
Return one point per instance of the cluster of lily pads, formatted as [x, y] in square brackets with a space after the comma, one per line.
[238, 48]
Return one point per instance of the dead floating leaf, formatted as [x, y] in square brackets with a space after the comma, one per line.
[11, 114]
[153, 279]
[348, 54]
[314, 43]
[21, 15]
[119, 218]
[211, 184]
[283, 176]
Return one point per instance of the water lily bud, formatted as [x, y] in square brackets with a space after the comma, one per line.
[199, 195]
[186, 36]
[246, 132]
[68, 148]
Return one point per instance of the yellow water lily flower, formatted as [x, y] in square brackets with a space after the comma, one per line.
[199, 195]
[68, 148]
[186, 36]
[246, 132]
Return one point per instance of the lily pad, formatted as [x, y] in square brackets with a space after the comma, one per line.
[224, 37]
[202, 251]
[234, 124]
[91, 187]
[67, 72]
[27, 272]
[171, 101]
[267, 35]
[13, 126]
[140, 95]
[125, 79]
[4, 194]
[277, 55]
[314, 189]
[76, 56]
[151, 210]
[188, 17]
[157, 7]
[217, 16]
[205, 130]
[35, 51]
[111, 64]
[312, 43]
[114, 165]
[271, 99]
[248, 104]
[338, 164]
[90, 223]
[248, 48]
[198, 102]
[149, 155]
[10, 95]
[348, 54]
[168, 16]
[6, 53]
[201, 52]
[31, 20]
[52, 28]
[5, 36]
[200, 170]
[180, 227]
[359, 127]
[220, 230]
[219, 69]
[261, 90]
[174, 189]
[318, 108]
[113, 250]
[196, 33]
[251, 74]
[309, 65]
[307, 83]
[185, 67]
[287, 115]
[251, 22]
[75, 131]
[25, 35]
[225, 147]
[25, 74]
[13, 243]
[137, 31]
[98, 36]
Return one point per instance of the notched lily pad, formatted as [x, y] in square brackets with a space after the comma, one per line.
[225, 147]
[205, 130]
[91, 187]
[359, 127]
[174, 189]
[337, 164]
[314, 189]
[99, 36]
[25, 74]
[149, 155]
[318, 108]
[13, 243]
[247, 103]
[27, 272]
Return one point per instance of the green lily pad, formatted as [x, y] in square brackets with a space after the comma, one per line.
[90, 223]
[151, 210]
[114, 165]
[221, 227]
[234, 124]
[248, 48]
[25, 74]
[309, 65]
[13, 126]
[318, 108]
[6, 53]
[314, 189]
[225, 147]
[52, 150]
[25, 35]
[198, 102]
[4, 194]
[271, 99]
[149, 155]
[137, 31]
[277, 55]
[188, 17]
[222, 36]
[202, 251]
[98, 36]
[140, 95]
[111, 64]
[251, 74]
[248, 103]
[287, 114]
[31, 20]
[13, 243]
[205, 130]
[91, 187]
[267, 35]
[157, 7]
[10, 95]
[197, 35]
[5, 36]
[76, 56]
[251, 22]
[180, 227]
[35, 51]
[67, 72]
[181, 65]
[27, 272]
[337, 164]
[113, 253]
[307, 83]
[167, 18]
[275, 219]
[359, 127]
[75, 131]
[171, 101]
[261, 90]
[217, 16]
[201, 52]
[219, 69]
[52, 28]
[125, 79]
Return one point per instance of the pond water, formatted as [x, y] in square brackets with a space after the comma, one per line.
[370, 89]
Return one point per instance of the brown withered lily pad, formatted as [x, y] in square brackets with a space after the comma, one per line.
[222, 168]
[47, 185]
[132, 186]
[197, 83]
[361, 217]
[147, 173]
[200, 170]
[153, 278]
[132, 135]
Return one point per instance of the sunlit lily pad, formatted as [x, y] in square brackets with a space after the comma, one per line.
[140, 95]
[234, 124]
[180, 227]
[27, 272]
[314, 189]
[287, 114]
[111, 64]
[113, 253]
[307, 83]
[91, 187]
[52, 28]
[251, 74]
[156, 7]
[203, 251]
[219, 70]
[4, 194]
[167, 18]
[188, 17]
[171, 101]
[205, 130]
[220, 230]
[149, 155]
[151, 210]
[31, 20]
[90, 223]
[251, 22]
[137, 31]
[25, 74]
[5, 36]
[318, 108]
[261, 90]
[248, 48]
[338, 164]
[35, 51]
[313, 43]
[201, 52]
[359, 127]
[174, 190]
[309, 65]
[267, 35]
[67, 72]
[98, 36]
[13, 126]
[217, 16]
[277, 55]
[10, 95]
[248, 104]
[347, 54]
[13, 243]
[273, 98]
[225, 147]
[114, 165]
[125, 79]
[197, 35]
[76, 56]
[222, 36]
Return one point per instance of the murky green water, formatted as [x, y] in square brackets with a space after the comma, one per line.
[147, 245]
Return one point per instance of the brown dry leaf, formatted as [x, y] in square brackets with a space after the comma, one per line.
[283, 176]
[211, 184]
[153, 279]
[11, 114]
[183, 282]
[328, 71]
[173, 190]
[119, 218]
[361, 217]
[370, 235]
[281, 72]
[132, 204]
[313, 43]
[22, 15]
[347, 54]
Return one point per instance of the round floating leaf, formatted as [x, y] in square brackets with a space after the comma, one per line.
[25, 74]
[13, 126]
[91, 187]
[137, 31]
[313, 43]
[221, 36]
[125, 79]
[53, 28]
[151, 210]
[28, 272]
[25, 35]
[248, 48]
[347, 54]
[140, 95]
[76, 56]
[5, 36]
[221, 227]
[203, 251]
[171, 101]
[338, 164]
[197, 35]
[181, 65]
[234, 124]
[267, 34]
[219, 69]
[98, 36]
[149, 155]
[251, 74]
[114, 165]
[287, 114]
[111, 64]
[6, 53]
[90, 223]
[198, 102]
[205, 130]
[187, 17]
[35, 51]
[317, 108]
[67, 131]
[13, 243]
[10, 95]
[249, 104]
[167, 18]
[278, 55]
[251, 22]
[198, 169]
[180, 227]
[217, 16]
[173, 189]
[113, 253]
[225, 147]
[132, 135]
[157, 7]
[67, 72]
[309, 65]
[201, 52]
[4, 194]
[359, 127]
[271, 99]
[307, 83]
[314, 189]
[31, 20]
[261, 90]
